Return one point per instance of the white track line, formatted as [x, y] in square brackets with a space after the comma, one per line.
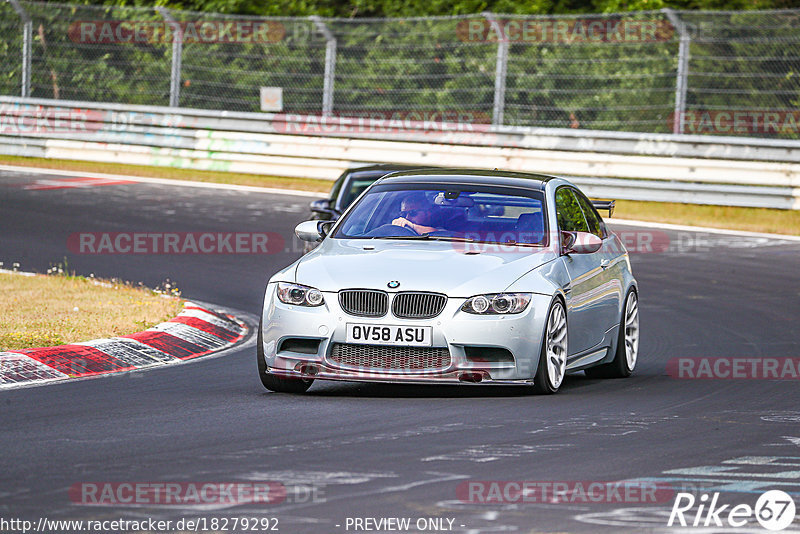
[296, 192]
[163, 181]
[666, 226]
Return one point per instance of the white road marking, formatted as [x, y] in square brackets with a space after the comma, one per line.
[163, 181]
[490, 453]
[793, 440]
[622, 425]
[316, 477]
[723, 231]
[782, 417]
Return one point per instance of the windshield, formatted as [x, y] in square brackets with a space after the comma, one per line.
[448, 212]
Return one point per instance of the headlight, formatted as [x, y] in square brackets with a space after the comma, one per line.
[299, 295]
[497, 303]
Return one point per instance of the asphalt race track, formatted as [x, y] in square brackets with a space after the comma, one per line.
[345, 451]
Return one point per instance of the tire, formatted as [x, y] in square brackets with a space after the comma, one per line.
[275, 383]
[625, 359]
[553, 357]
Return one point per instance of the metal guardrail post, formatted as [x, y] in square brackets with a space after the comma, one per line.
[27, 41]
[682, 82]
[330, 65]
[177, 53]
[500, 70]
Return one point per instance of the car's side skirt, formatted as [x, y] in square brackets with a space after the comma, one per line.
[587, 359]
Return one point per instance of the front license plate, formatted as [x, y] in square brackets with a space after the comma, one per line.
[378, 334]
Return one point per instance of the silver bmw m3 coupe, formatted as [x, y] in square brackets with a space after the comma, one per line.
[454, 276]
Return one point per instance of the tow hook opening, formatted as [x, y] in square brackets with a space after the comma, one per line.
[309, 369]
[471, 376]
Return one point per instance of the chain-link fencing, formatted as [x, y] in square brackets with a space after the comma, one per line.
[731, 73]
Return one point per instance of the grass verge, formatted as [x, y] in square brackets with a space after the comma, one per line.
[733, 218]
[42, 310]
[749, 219]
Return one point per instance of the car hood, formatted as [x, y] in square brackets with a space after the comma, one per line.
[447, 267]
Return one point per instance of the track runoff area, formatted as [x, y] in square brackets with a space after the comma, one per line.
[702, 434]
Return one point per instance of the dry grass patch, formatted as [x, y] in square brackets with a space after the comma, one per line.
[41, 311]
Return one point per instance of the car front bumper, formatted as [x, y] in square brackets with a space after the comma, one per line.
[459, 332]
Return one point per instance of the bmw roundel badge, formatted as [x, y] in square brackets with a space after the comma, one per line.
[393, 284]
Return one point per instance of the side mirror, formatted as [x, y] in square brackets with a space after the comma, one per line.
[324, 227]
[322, 207]
[580, 243]
[607, 205]
[309, 231]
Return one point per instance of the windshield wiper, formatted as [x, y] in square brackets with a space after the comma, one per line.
[428, 237]
[409, 237]
[511, 244]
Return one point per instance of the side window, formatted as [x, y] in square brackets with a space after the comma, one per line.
[337, 187]
[568, 212]
[357, 187]
[592, 218]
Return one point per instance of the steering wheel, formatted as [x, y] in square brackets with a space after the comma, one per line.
[390, 230]
[410, 231]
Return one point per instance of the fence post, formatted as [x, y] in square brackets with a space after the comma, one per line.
[330, 65]
[682, 81]
[177, 53]
[27, 39]
[500, 70]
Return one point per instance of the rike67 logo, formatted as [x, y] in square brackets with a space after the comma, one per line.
[774, 510]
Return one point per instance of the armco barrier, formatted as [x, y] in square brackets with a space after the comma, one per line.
[673, 168]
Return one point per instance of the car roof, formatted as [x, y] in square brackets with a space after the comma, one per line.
[469, 177]
[385, 167]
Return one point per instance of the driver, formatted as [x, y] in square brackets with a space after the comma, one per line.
[416, 214]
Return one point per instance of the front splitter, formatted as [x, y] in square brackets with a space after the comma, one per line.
[450, 377]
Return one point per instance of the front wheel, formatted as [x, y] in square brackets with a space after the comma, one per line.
[273, 382]
[553, 358]
[627, 344]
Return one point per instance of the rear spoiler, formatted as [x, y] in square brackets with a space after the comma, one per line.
[604, 205]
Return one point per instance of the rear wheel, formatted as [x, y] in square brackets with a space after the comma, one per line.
[627, 344]
[553, 358]
[275, 383]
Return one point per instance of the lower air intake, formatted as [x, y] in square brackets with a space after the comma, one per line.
[393, 358]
